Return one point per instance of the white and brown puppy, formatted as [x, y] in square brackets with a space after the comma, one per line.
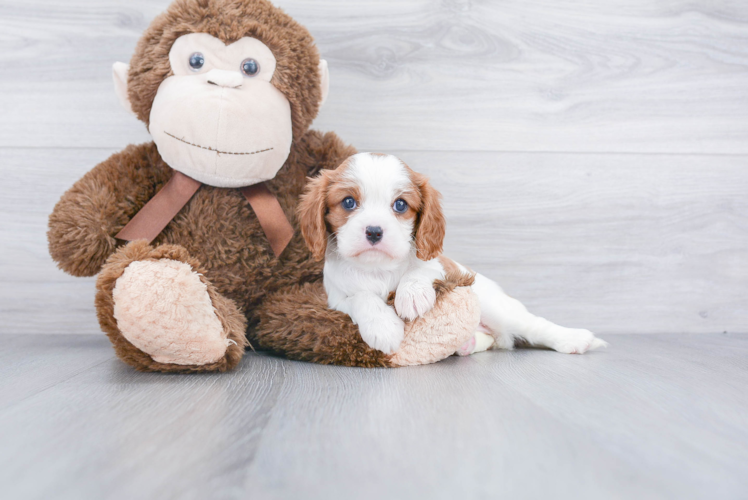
[380, 227]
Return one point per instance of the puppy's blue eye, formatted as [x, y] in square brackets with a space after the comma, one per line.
[250, 67]
[197, 60]
[400, 206]
[349, 203]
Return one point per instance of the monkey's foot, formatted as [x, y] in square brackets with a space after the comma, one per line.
[162, 314]
[451, 323]
[163, 309]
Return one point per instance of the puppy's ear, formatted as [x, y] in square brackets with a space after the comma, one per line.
[430, 224]
[311, 212]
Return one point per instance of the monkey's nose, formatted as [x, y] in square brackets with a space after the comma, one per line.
[223, 78]
[374, 234]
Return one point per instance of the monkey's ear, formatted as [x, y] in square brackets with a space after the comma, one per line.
[119, 72]
[324, 78]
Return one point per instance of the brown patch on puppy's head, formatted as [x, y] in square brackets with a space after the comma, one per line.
[320, 211]
[297, 70]
[338, 191]
[413, 198]
[431, 226]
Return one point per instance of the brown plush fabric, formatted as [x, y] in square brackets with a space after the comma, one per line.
[231, 318]
[296, 74]
[217, 228]
[85, 220]
[297, 323]
[83, 223]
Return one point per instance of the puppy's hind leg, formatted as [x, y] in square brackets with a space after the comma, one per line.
[507, 319]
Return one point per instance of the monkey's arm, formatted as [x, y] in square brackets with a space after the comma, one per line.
[85, 220]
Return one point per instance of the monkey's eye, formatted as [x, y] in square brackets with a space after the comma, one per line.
[400, 206]
[250, 67]
[349, 203]
[197, 61]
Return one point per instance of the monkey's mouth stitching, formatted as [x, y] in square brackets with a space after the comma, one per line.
[213, 149]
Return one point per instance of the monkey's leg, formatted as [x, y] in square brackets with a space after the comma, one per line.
[298, 324]
[162, 314]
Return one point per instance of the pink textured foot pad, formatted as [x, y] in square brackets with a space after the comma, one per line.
[467, 348]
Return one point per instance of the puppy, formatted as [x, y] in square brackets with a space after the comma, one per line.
[380, 228]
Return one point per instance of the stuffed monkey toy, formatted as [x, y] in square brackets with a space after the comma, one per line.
[194, 235]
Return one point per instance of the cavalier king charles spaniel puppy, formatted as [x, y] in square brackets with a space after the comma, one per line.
[380, 228]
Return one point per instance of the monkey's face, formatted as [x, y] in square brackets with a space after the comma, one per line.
[218, 119]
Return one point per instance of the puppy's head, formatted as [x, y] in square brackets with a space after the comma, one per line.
[377, 209]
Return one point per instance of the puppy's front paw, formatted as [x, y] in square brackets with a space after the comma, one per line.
[414, 299]
[384, 334]
[577, 341]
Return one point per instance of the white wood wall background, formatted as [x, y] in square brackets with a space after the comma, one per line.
[592, 154]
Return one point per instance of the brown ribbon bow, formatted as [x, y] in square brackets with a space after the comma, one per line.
[162, 208]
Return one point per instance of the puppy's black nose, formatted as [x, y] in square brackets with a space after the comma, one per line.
[374, 234]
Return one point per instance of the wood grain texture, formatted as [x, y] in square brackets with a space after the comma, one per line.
[659, 416]
[612, 76]
[614, 243]
[644, 230]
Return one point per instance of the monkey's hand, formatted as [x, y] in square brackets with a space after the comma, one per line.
[88, 216]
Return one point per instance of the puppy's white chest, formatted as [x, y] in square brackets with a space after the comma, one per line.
[351, 280]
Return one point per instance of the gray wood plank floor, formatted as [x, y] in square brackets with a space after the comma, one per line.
[656, 416]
